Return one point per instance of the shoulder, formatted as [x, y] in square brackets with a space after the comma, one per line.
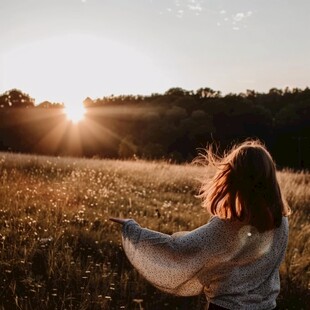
[222, 230]
[282, 232]
[225, 225]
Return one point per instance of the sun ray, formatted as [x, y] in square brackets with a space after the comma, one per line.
[59, 135]
[51, 140]
[73, 143]
[64, 138]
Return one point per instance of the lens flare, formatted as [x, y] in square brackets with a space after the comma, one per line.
[75, 114]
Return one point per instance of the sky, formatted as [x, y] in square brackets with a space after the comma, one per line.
[66, 50]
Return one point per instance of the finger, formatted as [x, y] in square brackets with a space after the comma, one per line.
[116, 220]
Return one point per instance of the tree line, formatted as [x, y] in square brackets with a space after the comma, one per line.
[172, 125]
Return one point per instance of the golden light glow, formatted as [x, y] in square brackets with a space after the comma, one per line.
[75, 114]
[81, 59]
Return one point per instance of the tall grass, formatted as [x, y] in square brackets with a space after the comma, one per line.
[58, 250]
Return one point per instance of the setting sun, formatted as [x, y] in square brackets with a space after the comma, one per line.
[75, 114]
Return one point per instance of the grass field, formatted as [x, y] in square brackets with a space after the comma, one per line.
[59, 251]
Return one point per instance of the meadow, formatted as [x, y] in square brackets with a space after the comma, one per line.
[58, 250]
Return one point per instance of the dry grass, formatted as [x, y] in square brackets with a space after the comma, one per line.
[59, 251]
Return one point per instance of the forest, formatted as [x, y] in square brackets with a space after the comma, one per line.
[172, 126]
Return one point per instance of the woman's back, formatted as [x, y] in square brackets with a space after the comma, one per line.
[248, 276]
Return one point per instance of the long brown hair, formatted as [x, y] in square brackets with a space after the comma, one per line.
[245, 186]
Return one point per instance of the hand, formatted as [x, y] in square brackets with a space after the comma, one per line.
[119, 220]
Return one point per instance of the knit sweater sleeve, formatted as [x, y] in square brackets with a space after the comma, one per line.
[172, 263]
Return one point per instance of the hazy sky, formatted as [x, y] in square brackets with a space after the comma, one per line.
[65, 50]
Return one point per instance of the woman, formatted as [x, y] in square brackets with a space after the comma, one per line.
[234, 259]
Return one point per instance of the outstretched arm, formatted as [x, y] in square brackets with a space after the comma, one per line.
[171, 263]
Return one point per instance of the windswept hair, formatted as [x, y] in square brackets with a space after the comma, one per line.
[245, 186]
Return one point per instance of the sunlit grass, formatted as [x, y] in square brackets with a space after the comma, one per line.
[58, 249]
